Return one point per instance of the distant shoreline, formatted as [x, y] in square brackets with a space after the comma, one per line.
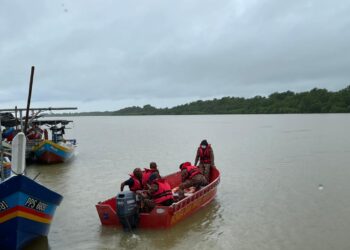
[87, 115]
[315, 101]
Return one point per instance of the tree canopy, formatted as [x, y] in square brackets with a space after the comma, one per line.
[313, 101]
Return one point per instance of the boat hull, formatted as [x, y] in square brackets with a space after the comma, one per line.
[26, 211]
[50, 152]
[164, 216]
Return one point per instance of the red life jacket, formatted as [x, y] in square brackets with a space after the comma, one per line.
[146, 174]
[204, 154]
[137, 184]
[164, 192]
[191, 170]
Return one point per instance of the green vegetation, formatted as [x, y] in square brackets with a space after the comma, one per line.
[313, 101]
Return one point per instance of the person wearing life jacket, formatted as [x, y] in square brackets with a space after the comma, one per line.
[57, 133]
[134, 182]
[191, 177]
[205, 156]
[35, 132]
[148, 172]
[159, 193]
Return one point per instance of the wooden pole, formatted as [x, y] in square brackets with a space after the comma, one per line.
[21, 120]
[29, 98]
[16, 118]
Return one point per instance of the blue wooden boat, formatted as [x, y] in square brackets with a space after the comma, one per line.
[26, 207]
[58, 149]
[51, 152]
[26, 211]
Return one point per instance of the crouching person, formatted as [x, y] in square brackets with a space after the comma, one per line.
[134, 182]
[191, 177]
[159, 193]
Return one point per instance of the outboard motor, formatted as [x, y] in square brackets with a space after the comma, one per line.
[127, 210]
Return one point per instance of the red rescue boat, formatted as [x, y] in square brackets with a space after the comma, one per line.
[165, 216]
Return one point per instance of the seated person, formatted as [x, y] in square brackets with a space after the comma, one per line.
[134, 182]
[191, 176]
[35, 132]
[159, 193]
[148, 172]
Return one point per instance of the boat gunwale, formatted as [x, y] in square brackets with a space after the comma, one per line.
[65, 148]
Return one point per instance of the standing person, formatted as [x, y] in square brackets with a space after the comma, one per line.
[148, 172]
[134, 182]
[191, 177]
[205, 156]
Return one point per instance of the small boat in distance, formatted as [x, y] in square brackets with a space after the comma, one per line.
[26, 207]
[164, 216]
[40, 147]
[56, 150]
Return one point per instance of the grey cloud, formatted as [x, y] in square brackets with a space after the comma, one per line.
[175, 51]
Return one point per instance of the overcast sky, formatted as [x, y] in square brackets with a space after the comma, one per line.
[109, 54]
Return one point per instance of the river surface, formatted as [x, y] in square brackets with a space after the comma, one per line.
[285, 181]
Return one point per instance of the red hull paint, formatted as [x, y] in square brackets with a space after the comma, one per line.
[165, 216]
[50, 158]
[26, 210]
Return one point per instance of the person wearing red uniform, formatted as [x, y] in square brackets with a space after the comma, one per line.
[191, 177]
[205, 156]
[35, 132]
[134, 182]
[148, 172]
[159, 193]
